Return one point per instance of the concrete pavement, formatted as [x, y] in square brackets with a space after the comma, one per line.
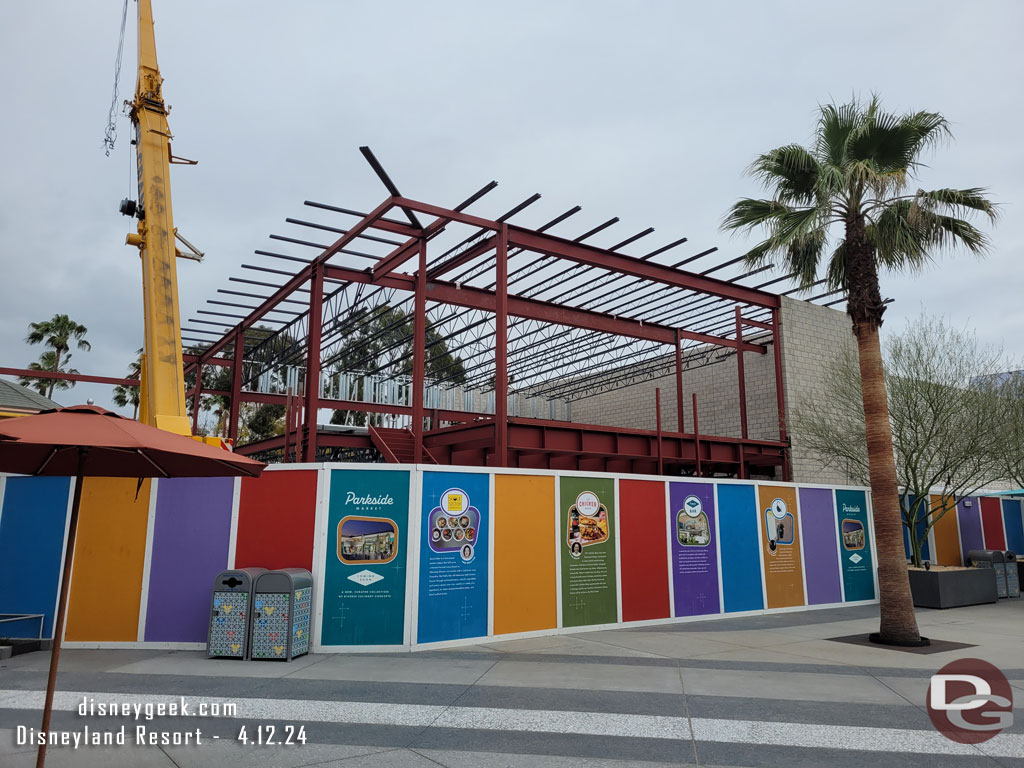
[749, 691]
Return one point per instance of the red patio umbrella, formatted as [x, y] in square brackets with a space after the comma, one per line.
[86, 441]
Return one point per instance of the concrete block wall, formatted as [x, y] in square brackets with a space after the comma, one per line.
[717, 389]
[812, 338]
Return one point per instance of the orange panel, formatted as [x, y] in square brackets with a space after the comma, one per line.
[947, 534]
[524, 553]
[780, 543]
[106, 579]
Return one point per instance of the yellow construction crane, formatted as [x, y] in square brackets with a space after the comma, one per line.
[162, 390]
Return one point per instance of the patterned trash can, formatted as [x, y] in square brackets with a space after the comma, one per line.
[282, 601]
[231, 613]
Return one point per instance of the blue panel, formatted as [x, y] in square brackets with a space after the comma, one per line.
[922, 521]
[31, 542]
[453, 556]
[1014, 526]
[741, 548]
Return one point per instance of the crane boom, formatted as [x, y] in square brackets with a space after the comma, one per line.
[162, 391]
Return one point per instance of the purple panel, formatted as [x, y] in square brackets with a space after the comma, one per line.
[821, 560]
[190, 547]
[970, 526]
[694, 565]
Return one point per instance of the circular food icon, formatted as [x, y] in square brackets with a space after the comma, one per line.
[447, 534]
[442, 522]
[453, 522]
[435, 534]
[470, 534]
[459, 534]
[464, 521]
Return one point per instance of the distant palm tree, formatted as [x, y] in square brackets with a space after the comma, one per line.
[57, 333]
[129, 395]
[48, 362]
[849, 193]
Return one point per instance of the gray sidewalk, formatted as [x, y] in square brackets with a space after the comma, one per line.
[752, 691]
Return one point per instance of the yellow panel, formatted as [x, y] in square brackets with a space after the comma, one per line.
[106, 579]
[524, 553]
[947, 535]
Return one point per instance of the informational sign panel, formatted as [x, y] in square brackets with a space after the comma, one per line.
[454, 521]
[694, 566]
[365, 558]
[586, 509]
[780, 544]
[855, 545]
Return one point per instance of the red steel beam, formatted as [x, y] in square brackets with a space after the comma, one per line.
[780, 392]
[742, 377]
[586, 254]
[236, 386]
[501, 349]
[681, 416]
[479, 298]
[69, 377]
[465, 257]
[406, 250]
[312, 389]
[419, 351]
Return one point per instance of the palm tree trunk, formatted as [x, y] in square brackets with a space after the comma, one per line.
[898, 623]
[56, 369]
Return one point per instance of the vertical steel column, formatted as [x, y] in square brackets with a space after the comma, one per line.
[657, 421]
[679, 383]
[312, 393]
[501, 349]
[197, 396]
[696, 434]
[419, 350]
[780, 394]
[236, 385]
[742, 375]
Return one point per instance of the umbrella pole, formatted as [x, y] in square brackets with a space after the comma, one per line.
[58, 624]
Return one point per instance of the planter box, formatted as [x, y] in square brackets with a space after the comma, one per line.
[953, 588]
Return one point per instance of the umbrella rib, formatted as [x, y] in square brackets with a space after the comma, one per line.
[158, 467]
[49, 457]
[229, 465]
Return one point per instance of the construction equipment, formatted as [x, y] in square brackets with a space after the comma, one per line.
[162, 390]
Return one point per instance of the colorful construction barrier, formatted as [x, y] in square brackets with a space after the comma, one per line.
[406, 556]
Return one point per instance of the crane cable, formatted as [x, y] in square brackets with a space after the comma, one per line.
[110, 136]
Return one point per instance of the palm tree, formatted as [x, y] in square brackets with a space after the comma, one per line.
[57, 333]
[846, 201]
[124, 396]
[48, 361]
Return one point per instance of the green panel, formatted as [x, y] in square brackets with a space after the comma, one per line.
[587, 550]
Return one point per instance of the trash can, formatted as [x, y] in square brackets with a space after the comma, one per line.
[1012, 574]
[231, 613]
[994, 559]
[281, 606]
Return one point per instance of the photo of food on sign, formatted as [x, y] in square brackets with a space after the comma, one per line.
[453, 523]
[779, 525]
[588, 523]
[692, 529]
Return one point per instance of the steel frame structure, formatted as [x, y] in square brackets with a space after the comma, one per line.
[519, 308]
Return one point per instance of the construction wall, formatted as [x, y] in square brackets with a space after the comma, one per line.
[409, 556]
[977, 522]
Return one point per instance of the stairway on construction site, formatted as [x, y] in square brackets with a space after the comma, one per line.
[398, 446]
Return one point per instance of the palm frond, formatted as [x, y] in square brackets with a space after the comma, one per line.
[958, 202]
[790, 171]
[749, 213]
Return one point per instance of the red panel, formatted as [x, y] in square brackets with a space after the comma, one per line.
[276, 516]
[642, 542]
[992, 523]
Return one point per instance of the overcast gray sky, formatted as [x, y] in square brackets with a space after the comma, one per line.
[648, 111]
